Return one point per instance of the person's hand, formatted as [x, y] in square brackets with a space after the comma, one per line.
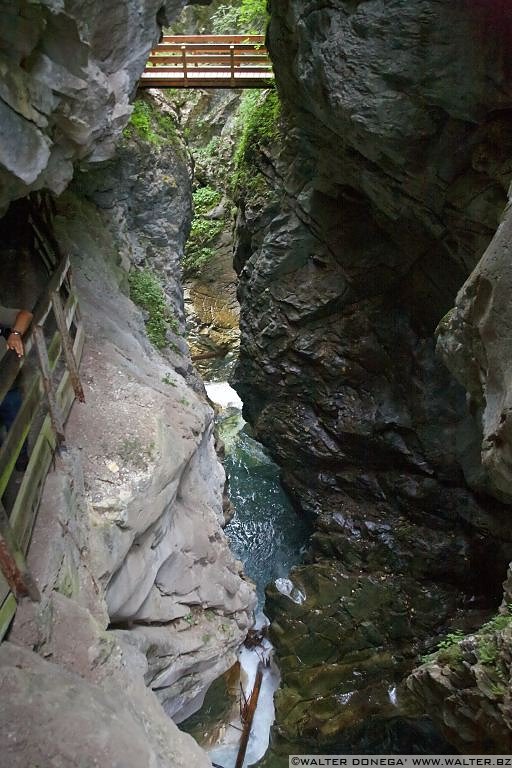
[15, 343]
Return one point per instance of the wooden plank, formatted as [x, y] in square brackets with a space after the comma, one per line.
[200, 58]
[24, 511]
[43, 306]
[4, 589]
[9, 450]
[67, 347]
[11, 364]
[44, 247]
[253, 39]
[44, 364]
[211, 71]
[205, 83]
[7, 612]
[201, 47]
[12, 562]
[12, 445]
[16, 436]
[212, 51]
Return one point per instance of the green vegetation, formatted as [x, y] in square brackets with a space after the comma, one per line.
[487, 647]
[150, 124]
[199, 250]
[205, 198]
[449, 652]
[223, 17]
[243, 17]
[451, 639]
[147, 292]
[258, 116]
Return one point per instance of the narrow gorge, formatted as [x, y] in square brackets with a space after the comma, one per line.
[336, 246]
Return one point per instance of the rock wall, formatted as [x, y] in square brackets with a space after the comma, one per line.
[68, 71]
[466, 686]
[141, 593]
[390, 186]
[155, 487]
[473, 341]
[210, 121]
[139, 585]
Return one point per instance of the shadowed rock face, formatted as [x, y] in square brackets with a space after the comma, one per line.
[474, 341]
[67, 72]
[390, 187]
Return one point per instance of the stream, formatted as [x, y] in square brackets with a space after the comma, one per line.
[268, 537]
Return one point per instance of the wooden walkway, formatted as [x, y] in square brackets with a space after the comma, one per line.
[209, 61]
[53, 348]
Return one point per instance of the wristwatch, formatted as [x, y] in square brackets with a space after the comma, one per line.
[16, 333]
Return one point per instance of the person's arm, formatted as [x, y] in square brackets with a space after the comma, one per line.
[20, 327]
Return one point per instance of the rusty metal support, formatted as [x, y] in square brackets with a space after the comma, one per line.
[67, 347]
[44, 363]
[12, 562]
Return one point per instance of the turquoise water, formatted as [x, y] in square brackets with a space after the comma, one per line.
[265, 533]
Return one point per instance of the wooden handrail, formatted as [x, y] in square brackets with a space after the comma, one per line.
[208, 71]
[252, 39]
[193, 61]
[12, 365]
[48, 393]
[209, 48]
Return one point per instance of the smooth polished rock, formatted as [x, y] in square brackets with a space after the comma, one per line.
[51, 716]
[474, 342]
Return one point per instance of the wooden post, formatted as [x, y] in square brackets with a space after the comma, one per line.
[184, 61]
[67, 347]
[232, 59]
[44, 363]
[12, 562]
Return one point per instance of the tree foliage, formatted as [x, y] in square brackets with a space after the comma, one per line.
[242, 17]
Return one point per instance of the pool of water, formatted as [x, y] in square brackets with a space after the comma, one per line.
[265, 532]
[269, 538]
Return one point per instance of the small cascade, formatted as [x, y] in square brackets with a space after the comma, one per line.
[266, 535]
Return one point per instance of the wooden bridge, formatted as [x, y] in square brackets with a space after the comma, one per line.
[53, 348]
[209, 61]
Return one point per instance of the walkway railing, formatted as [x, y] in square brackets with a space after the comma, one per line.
[209, 61]
[56, 341]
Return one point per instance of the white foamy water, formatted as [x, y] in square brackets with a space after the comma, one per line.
[223, 395]
[261, 534]
[225, 753]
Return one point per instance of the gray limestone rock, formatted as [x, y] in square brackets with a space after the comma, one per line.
[474, 341]
[154, 486]
[50, 716]
[68, 71]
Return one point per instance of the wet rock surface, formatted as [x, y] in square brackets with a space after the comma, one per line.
[390, 187]
[465, 687]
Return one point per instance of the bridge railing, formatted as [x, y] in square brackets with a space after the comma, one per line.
[53, 349]
[188, 61]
